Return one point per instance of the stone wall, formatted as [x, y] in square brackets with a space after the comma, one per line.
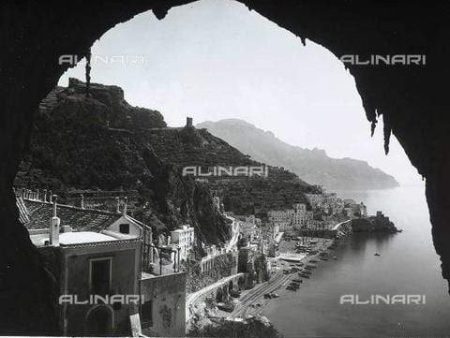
[219, 267]
[168, 296]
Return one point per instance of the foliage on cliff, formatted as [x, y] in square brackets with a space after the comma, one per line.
[250, 328]
[196, 279]
[187, 147]
[379, 223]
[95, 141]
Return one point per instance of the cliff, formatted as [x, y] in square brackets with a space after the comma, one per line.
[242, 195]
[378, 223]
[96, 142]
[314, 166]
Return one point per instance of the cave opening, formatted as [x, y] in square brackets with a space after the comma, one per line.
[436, 181]
[240, 68]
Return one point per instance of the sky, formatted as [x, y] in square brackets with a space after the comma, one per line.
[215, 59]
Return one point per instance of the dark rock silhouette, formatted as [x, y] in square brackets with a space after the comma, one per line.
[413, 101]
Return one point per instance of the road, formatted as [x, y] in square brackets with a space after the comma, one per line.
[336, 227]
[277, 281]
[193, 297]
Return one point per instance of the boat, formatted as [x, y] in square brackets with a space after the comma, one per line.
[271, 295]
[235, 293]
[310, 266]
[294, 286]
[228, 307]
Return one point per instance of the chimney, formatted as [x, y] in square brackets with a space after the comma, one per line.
[150, 241]
[50, 196]
[82, 201]
[45, 195]
[54, 225]
[118, 205]
[125, 206]
[189, 121]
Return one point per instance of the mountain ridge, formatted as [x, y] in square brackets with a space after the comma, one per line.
[312, 165]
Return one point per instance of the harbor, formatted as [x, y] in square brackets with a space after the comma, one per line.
[295, 263]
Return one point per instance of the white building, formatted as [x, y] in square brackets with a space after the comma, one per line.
[183, 238]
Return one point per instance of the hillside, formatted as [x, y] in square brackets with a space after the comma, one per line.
[101, 143]
[313, 166]
[95, 143]
[242, 195]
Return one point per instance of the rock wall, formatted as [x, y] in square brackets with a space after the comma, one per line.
[379, 224]
[242, 195]
[95, 141]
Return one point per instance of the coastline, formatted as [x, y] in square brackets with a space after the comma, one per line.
[253, 304]
[297, 258]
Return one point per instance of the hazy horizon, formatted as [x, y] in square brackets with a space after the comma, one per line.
[215, 59]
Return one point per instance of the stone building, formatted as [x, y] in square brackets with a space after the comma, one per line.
[288, 219]
[163, 311]
[39, 208]
[96, 276]
[106, 258]
[281, 218]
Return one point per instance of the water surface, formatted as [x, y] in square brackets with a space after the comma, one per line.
[407, 264]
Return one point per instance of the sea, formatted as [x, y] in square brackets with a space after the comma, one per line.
[407, 264]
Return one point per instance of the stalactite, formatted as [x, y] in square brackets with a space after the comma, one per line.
[303, 39]
[371, 114]
[373, 125]
[88, 71]
[387, 132]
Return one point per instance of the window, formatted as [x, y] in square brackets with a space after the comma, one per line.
[147, 313]
[100, 276]
[124, 228]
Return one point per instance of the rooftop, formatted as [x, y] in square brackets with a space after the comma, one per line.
[68, 238]
[184, 228]
[37, 215]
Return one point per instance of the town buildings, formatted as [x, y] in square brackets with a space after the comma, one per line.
[183, 239]
[103, 267]
[289, 219]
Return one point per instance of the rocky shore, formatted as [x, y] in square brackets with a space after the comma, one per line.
[378, 223]
[254, 327]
